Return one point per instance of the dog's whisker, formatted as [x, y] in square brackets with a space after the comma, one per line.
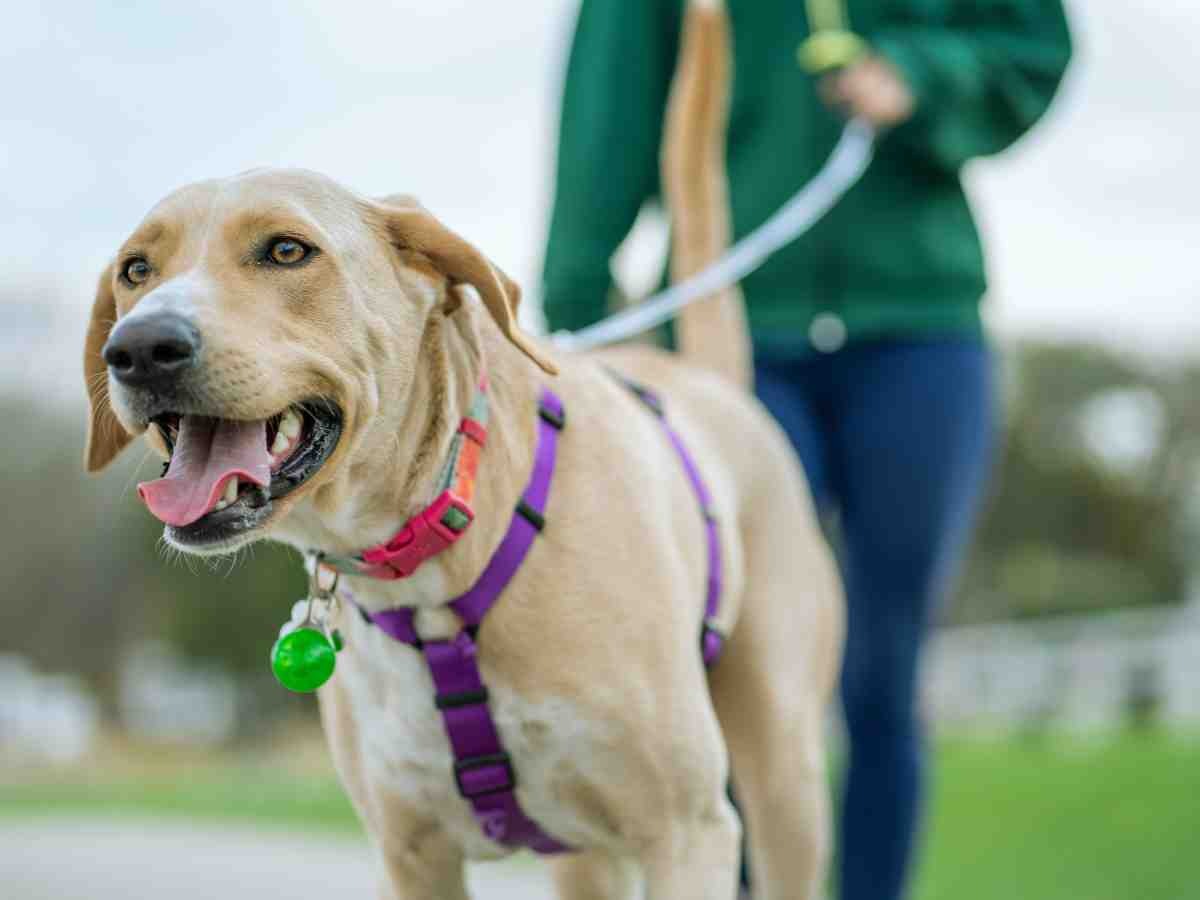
[134, 474]
[232, 560]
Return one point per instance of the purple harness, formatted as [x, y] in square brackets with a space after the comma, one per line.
[483, 770]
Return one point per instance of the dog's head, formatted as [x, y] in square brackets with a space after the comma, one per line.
[255, 328]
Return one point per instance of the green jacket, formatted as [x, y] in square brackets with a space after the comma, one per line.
[899, 255]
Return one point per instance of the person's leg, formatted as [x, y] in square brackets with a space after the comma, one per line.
[788, 391]
[911, 448]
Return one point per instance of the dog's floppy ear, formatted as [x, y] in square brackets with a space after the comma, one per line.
[411, 226]
[106, 437]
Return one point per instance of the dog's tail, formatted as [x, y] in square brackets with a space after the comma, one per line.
[713, 331]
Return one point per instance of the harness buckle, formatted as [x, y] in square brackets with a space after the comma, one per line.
[473, 775]
[555, 417]
[461, 698]
[426, 534]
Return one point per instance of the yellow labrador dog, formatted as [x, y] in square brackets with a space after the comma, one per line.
[305, 357]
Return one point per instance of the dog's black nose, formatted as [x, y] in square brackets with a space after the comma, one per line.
[145, 350]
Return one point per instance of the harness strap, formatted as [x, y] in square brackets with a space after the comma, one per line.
[475, 603]
[483, 770]
[712, 641]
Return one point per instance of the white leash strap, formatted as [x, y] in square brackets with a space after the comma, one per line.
[843, 169]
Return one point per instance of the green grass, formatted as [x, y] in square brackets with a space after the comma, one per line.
[1117, 819]
[1114, 819]
[243, 793]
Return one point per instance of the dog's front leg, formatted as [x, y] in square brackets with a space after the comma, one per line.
[422, 869]
[596, 875]
[697, 859]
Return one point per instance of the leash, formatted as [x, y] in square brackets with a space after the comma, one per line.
[845, 166]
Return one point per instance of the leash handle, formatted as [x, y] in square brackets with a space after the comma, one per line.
[831, 44]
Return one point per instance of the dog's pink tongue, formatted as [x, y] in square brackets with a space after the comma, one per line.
[207, 453]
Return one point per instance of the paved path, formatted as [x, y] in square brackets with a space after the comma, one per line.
[99, 860]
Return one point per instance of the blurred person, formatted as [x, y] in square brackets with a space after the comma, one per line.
[869, 347]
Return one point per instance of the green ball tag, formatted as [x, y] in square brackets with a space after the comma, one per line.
[303, 660]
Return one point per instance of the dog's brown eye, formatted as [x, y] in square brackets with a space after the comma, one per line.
[287, 252]
[136, 271]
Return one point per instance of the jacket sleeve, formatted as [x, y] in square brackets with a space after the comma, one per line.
[618, 77]
[981, 78]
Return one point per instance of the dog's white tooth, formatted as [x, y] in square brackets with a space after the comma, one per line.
[280, 444]
[219, 505]
[231, 489]
[290, 424]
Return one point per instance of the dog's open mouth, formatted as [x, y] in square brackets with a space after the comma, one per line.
[224, 473]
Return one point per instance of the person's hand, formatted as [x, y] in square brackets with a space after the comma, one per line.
[871, 89]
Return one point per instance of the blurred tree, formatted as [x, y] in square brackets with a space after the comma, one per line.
[85, 570]
[1089, 509]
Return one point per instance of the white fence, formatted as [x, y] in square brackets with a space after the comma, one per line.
[43, 718]
[55, 719]
[1080, 672]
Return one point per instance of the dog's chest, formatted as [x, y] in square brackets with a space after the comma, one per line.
[406, 754]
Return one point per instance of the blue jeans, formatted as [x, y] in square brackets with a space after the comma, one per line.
[896, 439]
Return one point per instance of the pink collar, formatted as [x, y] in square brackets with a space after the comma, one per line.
[442, 522]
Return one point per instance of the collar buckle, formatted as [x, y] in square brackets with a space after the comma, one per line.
[426, 534]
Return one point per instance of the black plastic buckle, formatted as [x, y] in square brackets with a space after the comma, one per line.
[553, 417]
[461, 698]
[650, 399]
[478, 762]
[531, 515]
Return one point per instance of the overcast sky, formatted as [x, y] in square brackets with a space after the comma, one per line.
[1093, 223]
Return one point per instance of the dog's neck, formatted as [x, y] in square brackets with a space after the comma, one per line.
[367, 504]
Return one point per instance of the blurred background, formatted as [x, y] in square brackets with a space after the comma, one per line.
[138, 718]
